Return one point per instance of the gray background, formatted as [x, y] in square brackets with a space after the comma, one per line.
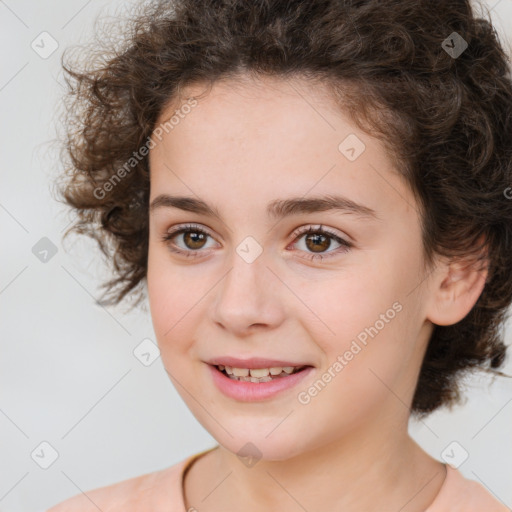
[68, 375]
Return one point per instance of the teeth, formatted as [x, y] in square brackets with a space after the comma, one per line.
[251, 379]
[257, 374]
[262, 379]
[240, 372]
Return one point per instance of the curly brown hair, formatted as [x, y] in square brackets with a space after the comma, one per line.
[444, 115]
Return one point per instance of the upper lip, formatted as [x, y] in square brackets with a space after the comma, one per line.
[253, 362]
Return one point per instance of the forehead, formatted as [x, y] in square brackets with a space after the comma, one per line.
[267, 136]
[251, 110]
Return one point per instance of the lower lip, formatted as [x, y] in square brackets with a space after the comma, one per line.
[254, 391]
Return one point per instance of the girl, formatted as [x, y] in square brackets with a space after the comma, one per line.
[313, 195]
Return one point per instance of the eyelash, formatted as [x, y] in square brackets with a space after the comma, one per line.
[345, 245]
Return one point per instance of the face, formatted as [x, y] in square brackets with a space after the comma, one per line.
[262, 280]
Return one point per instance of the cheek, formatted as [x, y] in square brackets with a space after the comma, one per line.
[362, 334]
[159, 294]
[169, 299]
[363, 359]
[365, 319]
[176, 295]
[354, 300]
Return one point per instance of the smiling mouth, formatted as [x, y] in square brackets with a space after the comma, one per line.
[258, 375]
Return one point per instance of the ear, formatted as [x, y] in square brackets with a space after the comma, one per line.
[456, 287]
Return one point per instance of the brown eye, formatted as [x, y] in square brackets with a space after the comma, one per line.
[188, 240]
[317, 242]
[194, 239]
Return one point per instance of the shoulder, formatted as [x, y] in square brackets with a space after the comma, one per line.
[460, 494]
[158, 491]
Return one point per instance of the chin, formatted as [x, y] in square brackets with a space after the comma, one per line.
[252, 449]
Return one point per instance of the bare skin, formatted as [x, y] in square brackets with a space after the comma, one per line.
[207, 487]
[348, 448]
[345, 447]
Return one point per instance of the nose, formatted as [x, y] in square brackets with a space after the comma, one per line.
[249, 297]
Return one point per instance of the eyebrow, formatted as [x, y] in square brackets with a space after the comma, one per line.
[276, 209]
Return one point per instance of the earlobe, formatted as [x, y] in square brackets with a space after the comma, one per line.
[456, 290]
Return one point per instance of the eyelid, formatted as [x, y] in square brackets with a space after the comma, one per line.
[188, 226]
[345, 245]
[315, 228]
[183, 228]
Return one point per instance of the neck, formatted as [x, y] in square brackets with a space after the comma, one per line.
[384, 470]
